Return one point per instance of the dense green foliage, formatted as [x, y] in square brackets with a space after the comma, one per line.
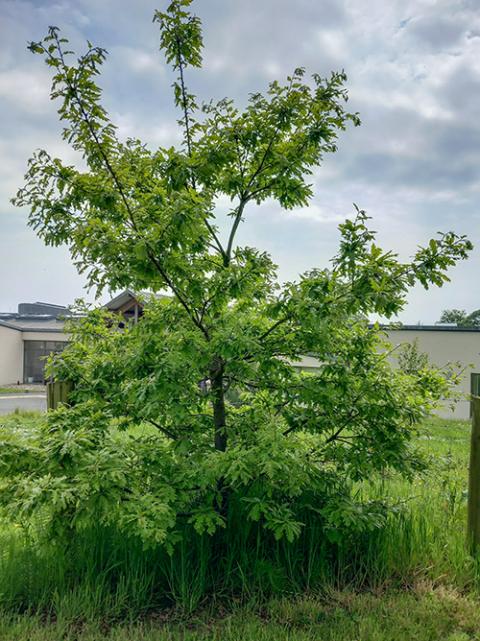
[196, 420]
[103, 577]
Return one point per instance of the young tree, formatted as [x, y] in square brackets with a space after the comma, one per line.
[236, 425]
[411, 360]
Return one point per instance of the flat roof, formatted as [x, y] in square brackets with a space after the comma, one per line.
[34, 326]
[431, 328]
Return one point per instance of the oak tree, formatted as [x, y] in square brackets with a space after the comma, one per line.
[201, 407]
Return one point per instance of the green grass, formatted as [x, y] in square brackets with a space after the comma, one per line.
[424, 615]
[21, 419]
[32, 389]
[413, 579]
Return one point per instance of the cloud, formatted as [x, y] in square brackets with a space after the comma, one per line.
[138, 60]
[25, 90]
[414, 76]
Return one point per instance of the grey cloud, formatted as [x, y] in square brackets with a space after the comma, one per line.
[409, 173]
[443, 25]
[459, 141]
[460, 92]
[438, 32]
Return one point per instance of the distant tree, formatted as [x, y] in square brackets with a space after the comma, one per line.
[461, 318]
[149, 219]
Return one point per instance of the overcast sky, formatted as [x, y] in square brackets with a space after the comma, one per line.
[413, 71]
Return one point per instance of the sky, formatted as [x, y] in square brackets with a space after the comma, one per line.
[413, 70]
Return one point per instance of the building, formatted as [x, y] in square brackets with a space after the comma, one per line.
[27, 337]
[442, 344]
[37, 329]
[447, 344]
[127, 304]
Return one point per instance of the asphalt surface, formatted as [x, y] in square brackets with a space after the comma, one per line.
[25, 402]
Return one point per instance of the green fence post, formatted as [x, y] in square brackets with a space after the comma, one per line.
[58, 392]
[473, 525]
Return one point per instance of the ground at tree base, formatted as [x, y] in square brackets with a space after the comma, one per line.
[424, 613]
[430, 595]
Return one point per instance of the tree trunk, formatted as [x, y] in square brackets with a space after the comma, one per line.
[218, 404]
[220, 426]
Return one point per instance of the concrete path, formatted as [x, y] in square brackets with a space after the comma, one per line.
[25, 402]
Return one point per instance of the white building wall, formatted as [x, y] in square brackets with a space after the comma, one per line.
[44, 336]
[442, 347]
[11, 356]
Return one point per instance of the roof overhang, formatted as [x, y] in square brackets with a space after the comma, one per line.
[32, 330]
[10, 326]
[121, 300]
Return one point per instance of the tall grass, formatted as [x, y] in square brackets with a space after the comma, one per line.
[101, 573]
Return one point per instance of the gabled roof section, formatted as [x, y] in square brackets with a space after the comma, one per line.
[121, 300]
[127, 297]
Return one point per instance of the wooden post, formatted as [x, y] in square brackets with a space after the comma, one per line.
[58, 392]
[473, 527]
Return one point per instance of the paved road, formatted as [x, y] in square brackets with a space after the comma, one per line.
[29, 402]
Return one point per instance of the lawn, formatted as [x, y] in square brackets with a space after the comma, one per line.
[420, 615]
[414, 580]
[34, 388]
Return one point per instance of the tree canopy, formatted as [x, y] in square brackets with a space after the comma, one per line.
[461, 318]
[201, 408]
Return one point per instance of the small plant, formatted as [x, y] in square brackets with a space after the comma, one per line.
[411, 360]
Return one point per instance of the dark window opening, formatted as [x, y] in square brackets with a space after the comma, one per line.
[34, 355]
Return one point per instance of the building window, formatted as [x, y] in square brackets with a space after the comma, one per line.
[34, 355]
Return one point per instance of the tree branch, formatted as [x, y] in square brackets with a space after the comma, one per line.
[162, 429]
[184, 99]
[336, 434]
[188, 134]
[108, 165]
[236, 223]
[274, 327]
[191, 313]
[93, 133]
